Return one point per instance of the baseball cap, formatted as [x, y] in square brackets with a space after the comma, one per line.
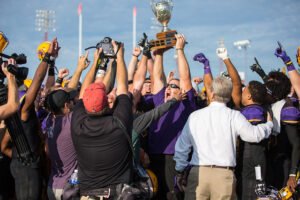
[94, 98]
[57, 98]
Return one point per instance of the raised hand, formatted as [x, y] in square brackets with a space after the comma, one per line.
[62, 73]
[54, 48]
[4, 66]
[200, 57]
[281, 53]
[147, 49]
[197, 80]
[142, 41]
[259, 70]
[136, 51]
[118, 48]
[222, 53]
[83, 61]
[180, 41]
[97, 54]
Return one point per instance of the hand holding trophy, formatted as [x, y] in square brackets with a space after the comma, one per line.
[162, 10]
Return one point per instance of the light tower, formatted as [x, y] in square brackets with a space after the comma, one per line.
[243, 45]
[79, 10]
[221, 45]
[45, 21]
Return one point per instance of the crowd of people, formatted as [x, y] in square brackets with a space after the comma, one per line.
[225, 141]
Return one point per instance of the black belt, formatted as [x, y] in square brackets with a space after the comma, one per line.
[220, 167]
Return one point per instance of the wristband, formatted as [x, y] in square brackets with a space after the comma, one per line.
[51, 71]
[292, 174]
[100, 73]
[59, 80]
[207, 70]
[290, 66]
[135, 56]
[179, 49]
[48, 58]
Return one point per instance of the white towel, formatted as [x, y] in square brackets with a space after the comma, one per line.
[276, 109]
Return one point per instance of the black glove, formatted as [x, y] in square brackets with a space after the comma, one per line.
[259, 70]
[147, 49]
[142, 41]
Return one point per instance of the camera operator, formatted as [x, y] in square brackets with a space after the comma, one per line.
[28, 179]
[11, 106]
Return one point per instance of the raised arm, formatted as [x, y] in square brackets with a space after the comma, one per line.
[259, 70]
[83, 63]
[234, 75]
[12, 104]
[183, 66]
[89, 78]
[293, 73]
[51, 76]
[159, 78]
[207, 77]
[38, 79]
[140, 74]
[133, 62]
[110, 77]
[62, 73]
[122, 81]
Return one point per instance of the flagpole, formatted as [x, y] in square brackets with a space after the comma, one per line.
[134, 28]
[80, 30]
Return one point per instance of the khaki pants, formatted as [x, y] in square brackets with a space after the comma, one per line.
[54, 194]
[210, 183]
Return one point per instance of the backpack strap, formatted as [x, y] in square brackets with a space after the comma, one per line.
[124, 130]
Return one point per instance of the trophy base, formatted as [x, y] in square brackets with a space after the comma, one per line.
[164, 40]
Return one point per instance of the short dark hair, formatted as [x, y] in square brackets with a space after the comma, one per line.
[280, 85]
[258, 91]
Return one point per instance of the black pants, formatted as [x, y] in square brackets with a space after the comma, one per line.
[164, 168]
[253, 155]
[27, 180]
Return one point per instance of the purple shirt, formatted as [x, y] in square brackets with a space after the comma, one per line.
[164, 132]
[61, 150]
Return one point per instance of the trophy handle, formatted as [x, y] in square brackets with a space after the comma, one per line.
[153, 5]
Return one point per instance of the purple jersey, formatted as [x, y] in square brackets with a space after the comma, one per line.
[164, 132]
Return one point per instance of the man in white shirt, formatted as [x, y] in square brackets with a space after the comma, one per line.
[212, 132]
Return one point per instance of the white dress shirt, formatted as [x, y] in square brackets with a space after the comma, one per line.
[212, 132]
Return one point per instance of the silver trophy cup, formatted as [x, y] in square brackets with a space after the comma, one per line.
[162, 10]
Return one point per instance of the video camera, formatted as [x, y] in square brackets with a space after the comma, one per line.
[19, 72]
[106, 45]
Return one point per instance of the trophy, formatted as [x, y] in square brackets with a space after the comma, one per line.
[162, 10]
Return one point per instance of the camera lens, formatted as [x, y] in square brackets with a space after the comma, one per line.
[106, 40]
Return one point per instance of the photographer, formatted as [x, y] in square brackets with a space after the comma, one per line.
[28, 178]
[11, 106]
[103, 153]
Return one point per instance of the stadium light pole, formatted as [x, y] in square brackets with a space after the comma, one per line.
[45, 22]
[243, 45]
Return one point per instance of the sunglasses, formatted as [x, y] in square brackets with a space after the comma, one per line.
[174, 86]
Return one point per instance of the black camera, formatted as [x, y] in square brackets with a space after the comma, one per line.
[19, 72]
[106, 45]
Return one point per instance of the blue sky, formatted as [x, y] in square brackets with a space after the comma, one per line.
[203, 22]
